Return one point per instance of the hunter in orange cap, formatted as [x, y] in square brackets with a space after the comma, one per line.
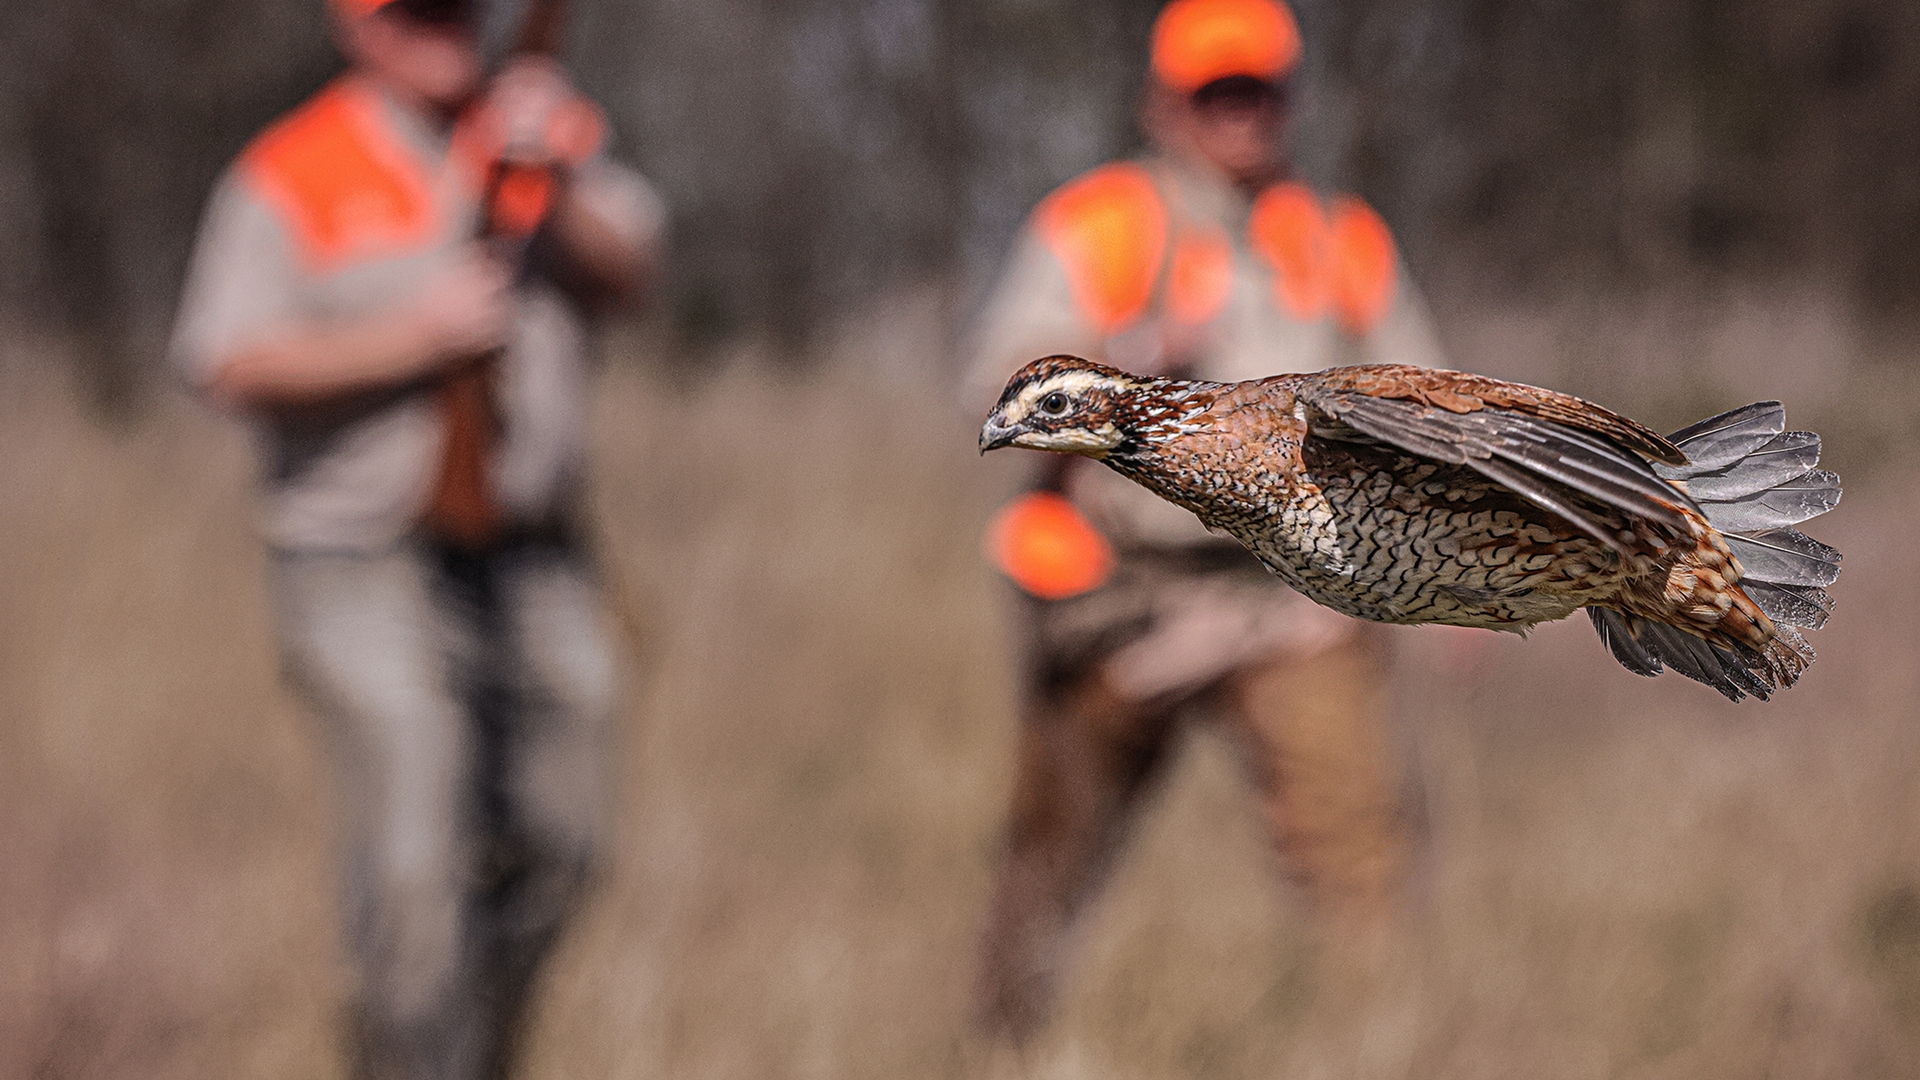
[435, 604]
[1204, 258]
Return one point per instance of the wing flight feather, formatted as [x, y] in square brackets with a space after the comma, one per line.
[1544, 458]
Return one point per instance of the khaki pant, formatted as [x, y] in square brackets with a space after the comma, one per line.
[466, 700]
[1313, 723]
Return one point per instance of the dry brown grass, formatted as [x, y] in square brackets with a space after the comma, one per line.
[1626, 877]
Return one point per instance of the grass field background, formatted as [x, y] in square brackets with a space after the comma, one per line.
[1624, 877]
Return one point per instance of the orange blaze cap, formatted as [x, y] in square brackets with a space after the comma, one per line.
[1198, 41]
[1042, 543]
[358, 8]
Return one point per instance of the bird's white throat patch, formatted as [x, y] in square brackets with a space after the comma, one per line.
[1093, 442]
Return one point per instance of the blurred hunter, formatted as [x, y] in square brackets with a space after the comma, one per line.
[388, 283]
[1203, 259]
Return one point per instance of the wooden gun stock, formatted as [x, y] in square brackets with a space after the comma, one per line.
[462, 510]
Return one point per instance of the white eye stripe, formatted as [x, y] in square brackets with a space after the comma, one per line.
[1072, 382]
[1082, 389]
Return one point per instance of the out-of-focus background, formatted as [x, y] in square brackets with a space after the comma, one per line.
[1670, 207]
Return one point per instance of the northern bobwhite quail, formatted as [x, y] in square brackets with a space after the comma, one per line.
[1412, 495]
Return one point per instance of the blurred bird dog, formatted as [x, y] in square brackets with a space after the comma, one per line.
[1412, 495]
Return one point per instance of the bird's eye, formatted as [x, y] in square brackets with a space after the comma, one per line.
[1054, 404]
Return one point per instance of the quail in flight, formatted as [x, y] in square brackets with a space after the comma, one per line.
[1413, 495]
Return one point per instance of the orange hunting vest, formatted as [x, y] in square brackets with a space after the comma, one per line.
[1127, 254]
[1121, 247]
[344, 185]
[348, 190]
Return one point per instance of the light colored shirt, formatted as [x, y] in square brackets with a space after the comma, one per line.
[339, 211]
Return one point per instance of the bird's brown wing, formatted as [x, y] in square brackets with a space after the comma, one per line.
[1543, 445]
[1463, 392]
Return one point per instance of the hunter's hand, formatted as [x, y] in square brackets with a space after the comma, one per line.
[465, 310]
[461, 313]
[533, 115]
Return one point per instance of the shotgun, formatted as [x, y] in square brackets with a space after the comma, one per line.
[518, 193]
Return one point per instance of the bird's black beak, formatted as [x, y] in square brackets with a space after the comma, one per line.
[996, 434]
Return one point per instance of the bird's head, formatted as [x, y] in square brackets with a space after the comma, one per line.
[1067, 405]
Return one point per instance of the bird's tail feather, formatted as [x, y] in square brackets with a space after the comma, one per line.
[1754, 480]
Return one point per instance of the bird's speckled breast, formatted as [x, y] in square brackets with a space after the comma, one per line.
[1415, 541]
